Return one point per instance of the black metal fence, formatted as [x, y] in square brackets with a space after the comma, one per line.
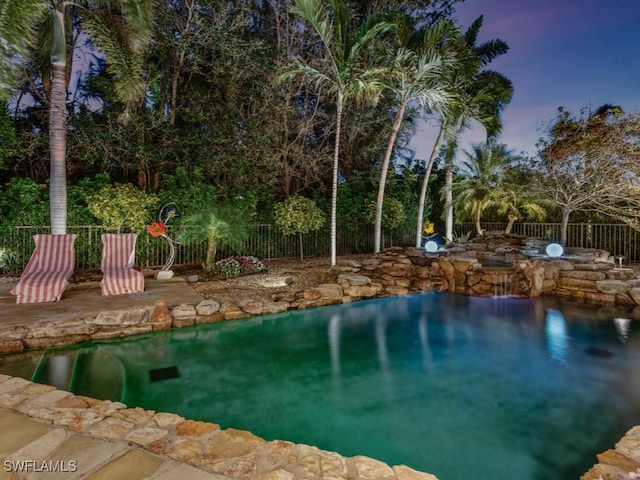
[267, 242]
[263, 241]
[619, 239]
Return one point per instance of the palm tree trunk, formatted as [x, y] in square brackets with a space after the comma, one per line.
[212, 248]
[383, 176]
[334, 183]
[479, 230]
[510, 222]
[58, 151]
[425, 183]
[448, 201]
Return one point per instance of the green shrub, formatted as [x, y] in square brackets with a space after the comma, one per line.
[393, 214]
[121, 206]
[298, 215]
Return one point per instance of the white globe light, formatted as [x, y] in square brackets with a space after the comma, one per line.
[431, 246]
[554, 250]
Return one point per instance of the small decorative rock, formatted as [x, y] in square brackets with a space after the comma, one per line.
[207, 307]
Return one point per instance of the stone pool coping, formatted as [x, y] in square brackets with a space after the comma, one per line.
[173, 305]
[223, 453]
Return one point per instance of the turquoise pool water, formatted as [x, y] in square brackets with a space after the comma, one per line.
[462, 387]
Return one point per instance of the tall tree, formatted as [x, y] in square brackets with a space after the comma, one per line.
[588, 163]
[416, 73]
[483, 94]
[344, 70]
[29, 27]
[481, 177]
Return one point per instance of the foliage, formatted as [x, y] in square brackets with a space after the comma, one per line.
[32, 27]
[483, 95]
[78, 198]
[212, 125]
[587, 163]
[24, 202]
[393, 213]
[419, 62]
[515, 199]
[344, 70]
[298, 214]
[218, 225]
[237, 265]
[122, 205]
[477, 188]
[188, 190]
[9, 143]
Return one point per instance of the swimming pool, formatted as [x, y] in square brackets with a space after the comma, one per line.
[462, 387]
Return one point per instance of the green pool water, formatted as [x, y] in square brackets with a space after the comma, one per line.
[462, 387]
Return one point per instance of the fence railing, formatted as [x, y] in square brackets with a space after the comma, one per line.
[267, 242]
[618, 239]
[263, 241]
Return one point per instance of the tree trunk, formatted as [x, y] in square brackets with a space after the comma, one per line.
[510, 222]
[58, 151]
[425, 183]
[212, 248]
[448, 201]
[334, 183]
[383, 177]
[564, 226]
[479, 230]
[300, 242]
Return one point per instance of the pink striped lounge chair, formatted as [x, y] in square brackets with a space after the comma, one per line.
[48, 271]
[118, 254]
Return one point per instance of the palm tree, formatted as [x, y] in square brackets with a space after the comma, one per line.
[416, 72]
[344, 72]
[30, 27]
[219, 226]
[476, 189]
[483, 95]
[516, 198]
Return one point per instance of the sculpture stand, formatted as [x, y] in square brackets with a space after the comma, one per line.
[163, 274]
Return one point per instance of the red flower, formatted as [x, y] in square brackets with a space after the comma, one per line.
[157, 229]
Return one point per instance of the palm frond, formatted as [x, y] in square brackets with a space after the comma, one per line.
[19, 21]
[124, 61]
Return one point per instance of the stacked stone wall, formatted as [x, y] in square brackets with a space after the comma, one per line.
[590, 276]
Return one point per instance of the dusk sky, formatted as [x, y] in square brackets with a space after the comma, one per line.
[571, 53]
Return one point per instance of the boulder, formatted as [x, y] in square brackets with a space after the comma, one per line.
[583, 274]
[353, 280]
[613, 287]
[207, 307]
[161, 316]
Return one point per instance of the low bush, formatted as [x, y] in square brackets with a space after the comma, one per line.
[237, 265]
